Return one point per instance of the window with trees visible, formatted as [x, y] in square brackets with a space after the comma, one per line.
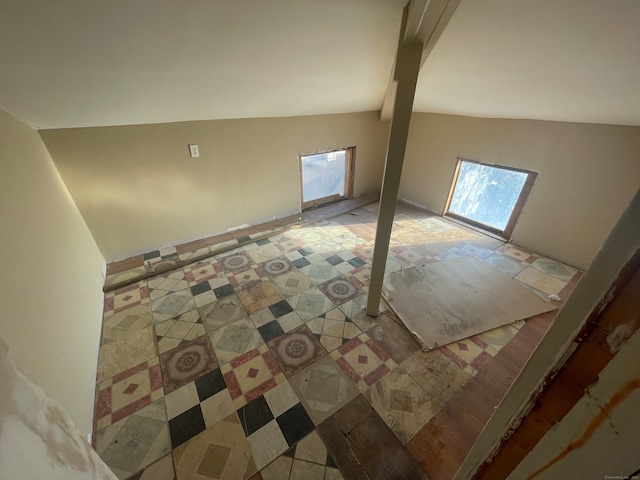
[488, 196]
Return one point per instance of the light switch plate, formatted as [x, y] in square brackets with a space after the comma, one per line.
[194, 151]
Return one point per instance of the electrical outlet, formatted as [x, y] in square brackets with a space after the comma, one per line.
[194, 151]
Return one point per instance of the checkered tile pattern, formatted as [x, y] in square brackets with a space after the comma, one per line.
[197, 405]
[279, 422]
[333, 329]
[212, 347]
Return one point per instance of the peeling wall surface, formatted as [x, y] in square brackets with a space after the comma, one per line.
[599, 437]
[37, 438]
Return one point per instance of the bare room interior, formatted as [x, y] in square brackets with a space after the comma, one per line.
[320, 239]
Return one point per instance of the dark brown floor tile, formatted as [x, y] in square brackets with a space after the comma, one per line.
[217, 239]
[478, 400]
[381, 453]
[517, 351]
[191, 246]
[352, 414]
[432, 457]
[341, 451]
[498, 374]
[393, 338]
[459, 437]
[535, 328]
[124, 265]
[460, 423]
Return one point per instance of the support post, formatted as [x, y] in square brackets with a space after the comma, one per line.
[408, 62]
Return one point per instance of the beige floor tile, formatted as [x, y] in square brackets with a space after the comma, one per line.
[332, 474]
[124, 323]
[217, 407]
[311, 449]
[220, 452]
[323, 388]
[267, 443]
[281, 398]
[292, 283]
[161, 470]
[263, 253]
[258, 295]
[181, 400]
[279, 469]
[541, 281]
[123, 354]
[231, 341]
[402, 404]
[301, 470]
[222, 312]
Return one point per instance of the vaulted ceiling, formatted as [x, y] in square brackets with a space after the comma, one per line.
[69, 63]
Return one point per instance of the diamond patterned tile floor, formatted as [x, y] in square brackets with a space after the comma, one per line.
[179, 330]
[363, 360]
[251, 375]
[244, 365]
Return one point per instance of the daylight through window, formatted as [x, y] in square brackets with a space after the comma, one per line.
[489, 196]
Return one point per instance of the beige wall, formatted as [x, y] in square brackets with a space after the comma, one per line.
[588, 174]
[52, 274]
[37, 438]
[138, 189]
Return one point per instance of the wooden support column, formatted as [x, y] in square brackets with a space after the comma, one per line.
[406, 75]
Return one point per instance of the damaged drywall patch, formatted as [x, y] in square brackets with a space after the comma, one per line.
[618, 397]
[620, 335]
[29, 418]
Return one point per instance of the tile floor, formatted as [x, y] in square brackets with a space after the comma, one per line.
[260, 362]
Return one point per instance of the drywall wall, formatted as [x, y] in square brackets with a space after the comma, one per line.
[587, 174]
[602, 428]
[37, 438]
[616, 252]
[51, 276]
[138, 189]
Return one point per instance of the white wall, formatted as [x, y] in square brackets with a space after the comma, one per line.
[587, 174]
[51, 277]
[37, 438]
[138, 189]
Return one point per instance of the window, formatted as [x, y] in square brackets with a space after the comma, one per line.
[488, 196]
[326, 177]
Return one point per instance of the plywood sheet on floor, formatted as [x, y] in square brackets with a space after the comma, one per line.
[447, 301]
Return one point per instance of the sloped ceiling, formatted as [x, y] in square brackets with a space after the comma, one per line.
[66, 63]
[568, 60]
[69, 63]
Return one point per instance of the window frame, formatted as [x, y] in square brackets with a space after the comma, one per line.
[517, 209]
[350, 161]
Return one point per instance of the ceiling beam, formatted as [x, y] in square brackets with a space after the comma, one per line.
[424, 23]
[417, 10]
[433, 24]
